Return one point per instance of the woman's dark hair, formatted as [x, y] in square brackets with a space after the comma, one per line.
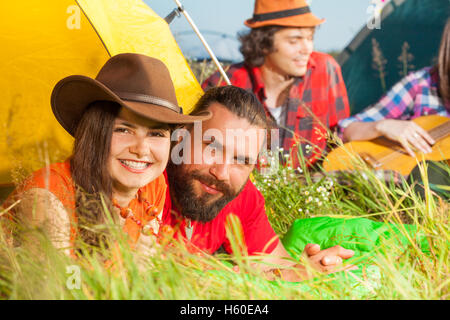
[443, 65]
[257, 43]
[89, 167]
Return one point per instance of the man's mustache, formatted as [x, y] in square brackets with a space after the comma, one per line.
[216, 184]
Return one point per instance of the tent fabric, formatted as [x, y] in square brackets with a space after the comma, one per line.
[418, 23]
[44, 41]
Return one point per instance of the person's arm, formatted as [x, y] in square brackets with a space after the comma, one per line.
[360, 131]
[314, 261]
[41, 208]
[387, 118]
[406, 132]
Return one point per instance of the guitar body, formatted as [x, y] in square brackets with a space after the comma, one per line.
[381, 153]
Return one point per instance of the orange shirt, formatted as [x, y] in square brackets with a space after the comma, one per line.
[57, 179]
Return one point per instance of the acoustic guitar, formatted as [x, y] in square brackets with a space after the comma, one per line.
[382, 153]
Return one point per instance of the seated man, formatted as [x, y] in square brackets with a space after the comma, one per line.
[302, 90]
[204, 193]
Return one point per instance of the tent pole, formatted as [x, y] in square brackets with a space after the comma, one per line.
[211, 53]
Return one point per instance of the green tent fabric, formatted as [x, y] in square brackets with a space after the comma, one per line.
[417, 22]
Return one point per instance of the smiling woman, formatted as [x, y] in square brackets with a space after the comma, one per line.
[121, 122]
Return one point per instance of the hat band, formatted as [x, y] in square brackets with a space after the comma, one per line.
[138, 97]
[280, 14]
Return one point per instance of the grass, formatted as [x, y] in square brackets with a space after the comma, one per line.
[392, 272]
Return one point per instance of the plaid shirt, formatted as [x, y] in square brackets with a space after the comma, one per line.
[414, 96]
[316, 102]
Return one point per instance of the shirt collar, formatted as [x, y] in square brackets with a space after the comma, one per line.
[259, 83]
[311, 61]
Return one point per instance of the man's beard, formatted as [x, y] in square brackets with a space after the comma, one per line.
[193, 207]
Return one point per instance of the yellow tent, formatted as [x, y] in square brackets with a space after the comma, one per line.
[46, 40]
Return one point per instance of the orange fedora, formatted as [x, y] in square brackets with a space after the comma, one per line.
[288, 13]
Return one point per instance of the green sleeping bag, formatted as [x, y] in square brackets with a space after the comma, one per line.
[362, 235]
[365, 237]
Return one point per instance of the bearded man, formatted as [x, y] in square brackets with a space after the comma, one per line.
[203, 194]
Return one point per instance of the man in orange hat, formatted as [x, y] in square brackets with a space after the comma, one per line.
[302, 90]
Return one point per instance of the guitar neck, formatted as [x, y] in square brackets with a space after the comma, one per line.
[440, 131]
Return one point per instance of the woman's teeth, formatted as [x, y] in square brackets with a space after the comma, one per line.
[138, 165]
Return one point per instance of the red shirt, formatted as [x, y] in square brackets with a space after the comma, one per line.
[316, 102]
[248, 206]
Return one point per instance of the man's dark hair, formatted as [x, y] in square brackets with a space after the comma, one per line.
[240, 102]
[257, 43]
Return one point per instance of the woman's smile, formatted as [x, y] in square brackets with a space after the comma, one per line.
[135, 166]
[139, 151]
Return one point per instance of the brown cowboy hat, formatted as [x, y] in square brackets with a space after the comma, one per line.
[287, 13]
[137, 82]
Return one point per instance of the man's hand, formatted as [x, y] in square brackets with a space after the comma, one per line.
[407, 133]
[314, 261]
[328, 260]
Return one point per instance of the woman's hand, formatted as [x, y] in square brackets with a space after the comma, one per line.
[408, 133]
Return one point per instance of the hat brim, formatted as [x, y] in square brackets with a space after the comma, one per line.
[72, 95]
[299, 21]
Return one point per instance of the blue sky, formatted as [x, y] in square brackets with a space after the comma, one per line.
[343, 20]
